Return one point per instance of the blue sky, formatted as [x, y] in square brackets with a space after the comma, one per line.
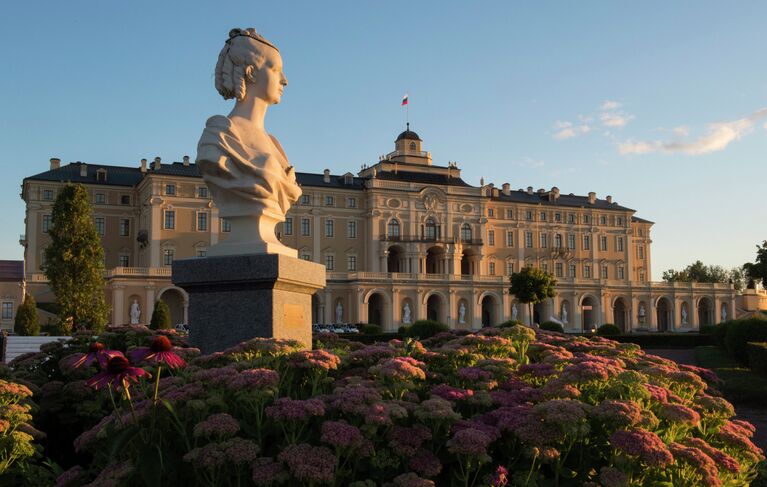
[659, 104]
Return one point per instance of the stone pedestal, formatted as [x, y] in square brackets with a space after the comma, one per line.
[238, 297]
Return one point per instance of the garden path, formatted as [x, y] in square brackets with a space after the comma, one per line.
[756, 415]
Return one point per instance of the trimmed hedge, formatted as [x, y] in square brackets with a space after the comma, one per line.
[552, 326]
[425, 329]
[608, 329]
[719, 332]
[740, 332]
[757, 357]
[510, 323]
[371, 329]
[666, 340]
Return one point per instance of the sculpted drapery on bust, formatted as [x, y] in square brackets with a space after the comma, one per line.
[245, 168]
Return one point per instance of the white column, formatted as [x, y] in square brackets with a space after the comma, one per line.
[149, 303]
[118, 300]
[329, 307]
[215, 227]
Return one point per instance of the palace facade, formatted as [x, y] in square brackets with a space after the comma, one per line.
[403, 232]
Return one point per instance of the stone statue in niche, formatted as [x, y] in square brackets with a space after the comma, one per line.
[339, 313]
[564, 314]
[514, 312]
[406, 314]
[135, 312]
[462, 313]
[245, 168]
[684, 315]
[724, 313]
[641, 314]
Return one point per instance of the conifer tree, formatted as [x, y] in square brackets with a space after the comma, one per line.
[74, 261]
[26, 323]
[160, 316]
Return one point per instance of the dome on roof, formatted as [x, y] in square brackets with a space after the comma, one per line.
[408, 135]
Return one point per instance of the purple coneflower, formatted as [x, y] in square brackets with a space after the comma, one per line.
[117, 373]
[97, 352]
[160, 350]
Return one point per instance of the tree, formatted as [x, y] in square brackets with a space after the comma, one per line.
[757, 270]
[26, 323]
[699, 272]
[74, 261]
[532, 286]
[160, 316]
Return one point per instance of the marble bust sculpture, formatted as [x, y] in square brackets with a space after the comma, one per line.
[245, 168]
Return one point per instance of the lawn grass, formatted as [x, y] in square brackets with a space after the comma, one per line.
[741, 385]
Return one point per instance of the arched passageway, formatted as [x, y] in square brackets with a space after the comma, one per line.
[663, 311]
[435, 308]
[175, 301]
[376, 310]
[705, 312]
[318, 310]
[468, 262]
[396, 260]
[620, 314]
[489, 311]
[589, 313]
[435, 260]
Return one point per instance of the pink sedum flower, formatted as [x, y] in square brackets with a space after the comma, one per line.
[220, 425]
[287, 409]
[309, 464]
[645, 445]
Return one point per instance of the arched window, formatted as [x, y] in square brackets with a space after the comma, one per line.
[412, 146]
[466, 232]
[430, 230]
[393, 230]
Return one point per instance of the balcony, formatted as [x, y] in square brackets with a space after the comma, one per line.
[427, 239]
[138, 272]
[414, 277]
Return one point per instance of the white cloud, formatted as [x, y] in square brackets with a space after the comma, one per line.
[681, 131]
[530, 163]
[765, 125]
[615, 119]
[718, 136]
[610, 105]
[566, 130]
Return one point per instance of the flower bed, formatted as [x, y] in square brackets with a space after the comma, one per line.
[501, 407]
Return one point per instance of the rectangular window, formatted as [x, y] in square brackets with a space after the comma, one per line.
[351, 202]
[100, 225]
[167, 256]
[558, 269]
[509, 213]
[170, 189]
[544, 240]
[170, 219]
[202, 192]
[46, 223]
[305, 228]
[640, 252]
[587, 219]
[125, 199]
[48, 194]
[351, 229]
[509, 238]
[328, 227]
[557, 217]
[491, 237]
[587, 271]
[124, 227]
[543, 216]
[529, 215]
[101, 198]
[571, 241]
[202, 252]
[587, 242]
[306, 256]
[329, 262]
[604, 272]
[603, 243]
[509, 268]
[603, 220]
[619, 244]
[123, 260]
[202, 221]
[490, 212]
[619, 221]
[7, 310]
[641, 276]
[306, 199]
[571, 271]
[287, 228]
[491, 268]
[226, 225]
[571, 218]
[529, 240]
[621, 272]
[329, 201]
[351, 263]
[545, 267]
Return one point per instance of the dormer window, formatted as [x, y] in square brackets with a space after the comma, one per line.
[101, 175]
[348, 179]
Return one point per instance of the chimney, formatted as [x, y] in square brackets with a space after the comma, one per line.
[592, 197]
[609, 199]
[143, 165]
[555, 192]
[83, 169]
[495, 192]
[326, 175]
[186, 161]
[529, 190]
[55, 163]
[506, 188]
[157, 164]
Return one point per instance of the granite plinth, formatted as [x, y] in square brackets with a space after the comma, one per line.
[238, 297]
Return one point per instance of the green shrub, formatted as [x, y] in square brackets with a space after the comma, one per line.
[665, 340]
[510, 323]
[426, 329]
[371, 329]
[402, 330]
[608, 330]
[720, 331]
[26, 318]
[740, 332]
[757, 357]
[707, 329]
[160, 317]
[552, 326]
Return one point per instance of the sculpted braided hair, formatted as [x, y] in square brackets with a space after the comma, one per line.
[242, 55]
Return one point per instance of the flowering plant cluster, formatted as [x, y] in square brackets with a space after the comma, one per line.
[500, 407]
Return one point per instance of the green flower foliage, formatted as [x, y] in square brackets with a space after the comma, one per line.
[26, 323]
[74, 261]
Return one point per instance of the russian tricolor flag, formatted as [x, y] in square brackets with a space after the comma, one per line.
[404, 100]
